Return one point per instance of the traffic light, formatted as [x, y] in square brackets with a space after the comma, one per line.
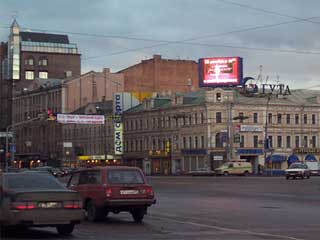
[50, 115]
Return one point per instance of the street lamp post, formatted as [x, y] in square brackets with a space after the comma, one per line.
[266, 140]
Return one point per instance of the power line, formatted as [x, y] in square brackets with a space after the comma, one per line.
[185, 41]
[266, 11]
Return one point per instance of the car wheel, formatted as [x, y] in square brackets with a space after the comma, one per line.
[225, 174]
[65, 229]
[302, 176]
[287, 177]
[308, 176]
[94, 214]
[138, 215]
[246, 173]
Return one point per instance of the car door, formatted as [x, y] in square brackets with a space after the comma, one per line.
[95, 188]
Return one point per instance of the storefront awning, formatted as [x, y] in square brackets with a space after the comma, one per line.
[310, 158]
[276, 158]
[292, 158]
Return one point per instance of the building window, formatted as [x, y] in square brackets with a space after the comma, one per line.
[184, 143]
[190, 120]
[288, 118]
[218, 117]
[196, 142]
[279, 118]
[279, 142]
[255, 117]
[313, 119]
[255, 141]
[201, 118]
[270, 142]
[196, 118]
[202, 141]
[218, 97]
[296, 118]
[43, 75]
[190, 143]
[241, 117]
[305, 141]
[288, 141]
[43, 62]
[297, 141]
[242, 141]
[29, 75]
[305, 118]
[270, 118]
[219, 140]
[29, 61]
[314, 141]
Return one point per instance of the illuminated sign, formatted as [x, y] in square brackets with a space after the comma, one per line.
[251, 128]
[220, 71]
[80, 119]
[307, 150]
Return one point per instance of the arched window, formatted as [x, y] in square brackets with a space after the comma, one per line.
[219, 140]
[43, 62]
[29, 61]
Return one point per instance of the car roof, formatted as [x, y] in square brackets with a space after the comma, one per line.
[108, 168]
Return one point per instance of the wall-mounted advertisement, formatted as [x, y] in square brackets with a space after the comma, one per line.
[220, 71]
[118, 109]
[80, 119]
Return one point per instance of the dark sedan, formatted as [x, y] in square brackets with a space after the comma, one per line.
[34, 199]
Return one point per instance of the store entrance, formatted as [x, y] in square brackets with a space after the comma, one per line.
[253, 160]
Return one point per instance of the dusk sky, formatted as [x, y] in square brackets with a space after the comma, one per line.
[282, 36]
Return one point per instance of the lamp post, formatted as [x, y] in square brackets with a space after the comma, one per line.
[266, 140]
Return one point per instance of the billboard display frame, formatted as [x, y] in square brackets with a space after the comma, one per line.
[237, 67]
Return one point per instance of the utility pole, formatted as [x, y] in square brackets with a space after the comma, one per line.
[266, 139]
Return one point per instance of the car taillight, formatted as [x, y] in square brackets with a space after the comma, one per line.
[108, 192]
[149, 191]
[72, 204]
[23, 205]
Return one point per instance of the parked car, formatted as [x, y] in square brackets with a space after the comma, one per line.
[112, 189]
[36, 199]
[234, 168]
[202, 172]
[298, 170]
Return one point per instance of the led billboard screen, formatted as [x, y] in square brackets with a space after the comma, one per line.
[220, 71]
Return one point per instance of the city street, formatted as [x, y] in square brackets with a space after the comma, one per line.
[212, 208]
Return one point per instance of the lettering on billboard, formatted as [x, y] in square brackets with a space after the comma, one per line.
[251, 87]
[221, 71]
[251, 128]
[118, 126]
[80, 119]
[118, 139]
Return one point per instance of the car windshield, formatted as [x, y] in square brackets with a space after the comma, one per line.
[32, 181]
[125, 177]
[296, 166]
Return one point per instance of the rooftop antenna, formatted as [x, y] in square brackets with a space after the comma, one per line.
[259, 78]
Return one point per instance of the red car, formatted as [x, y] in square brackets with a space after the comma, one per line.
[112, 189]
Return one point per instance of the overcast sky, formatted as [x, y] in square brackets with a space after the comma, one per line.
[270, 33]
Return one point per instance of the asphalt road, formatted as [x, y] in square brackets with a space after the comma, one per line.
[212, 208]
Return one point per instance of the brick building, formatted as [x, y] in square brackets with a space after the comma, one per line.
[160, 75]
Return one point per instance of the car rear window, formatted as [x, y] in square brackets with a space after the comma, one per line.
[124, 176]
[32, 181]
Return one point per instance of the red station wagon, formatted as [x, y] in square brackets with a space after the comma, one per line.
[112, 189]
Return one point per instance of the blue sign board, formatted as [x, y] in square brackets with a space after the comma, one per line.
[12, 148]
[252, 151]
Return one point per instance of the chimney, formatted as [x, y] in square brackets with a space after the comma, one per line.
[156, 57]
[106, 70]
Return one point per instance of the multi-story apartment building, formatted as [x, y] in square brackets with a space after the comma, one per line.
[44, 139]
[201, 130]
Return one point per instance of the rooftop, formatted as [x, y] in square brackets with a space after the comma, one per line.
[44, 37]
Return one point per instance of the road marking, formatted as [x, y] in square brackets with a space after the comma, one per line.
[230, 230]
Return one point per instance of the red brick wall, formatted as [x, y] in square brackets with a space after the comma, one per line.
[159, 74]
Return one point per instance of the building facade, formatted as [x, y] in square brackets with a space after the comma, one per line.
[161, 75]
[201, 130]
